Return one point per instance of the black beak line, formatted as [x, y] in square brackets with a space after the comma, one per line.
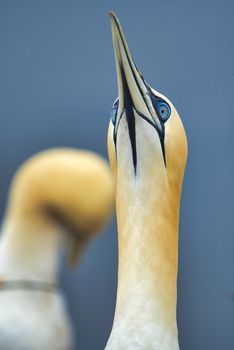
[134, 93]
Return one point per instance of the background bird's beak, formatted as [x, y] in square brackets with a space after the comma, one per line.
[76, 240]
[75, 248]
[131, 84]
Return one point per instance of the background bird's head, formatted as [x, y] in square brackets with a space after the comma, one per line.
[146, 140]
[60, 190]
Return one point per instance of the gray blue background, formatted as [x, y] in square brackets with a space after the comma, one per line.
[57, 85]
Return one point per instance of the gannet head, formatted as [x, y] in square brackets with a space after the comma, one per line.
[147, 143]
[60, 190]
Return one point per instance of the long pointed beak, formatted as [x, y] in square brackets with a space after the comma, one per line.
[131, 84]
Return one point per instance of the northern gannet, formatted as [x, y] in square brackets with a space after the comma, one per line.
[147, 149]
[58, 196]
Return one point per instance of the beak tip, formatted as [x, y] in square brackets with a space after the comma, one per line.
[112, 14]
[114, 19]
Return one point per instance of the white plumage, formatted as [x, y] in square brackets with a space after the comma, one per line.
[32, 320]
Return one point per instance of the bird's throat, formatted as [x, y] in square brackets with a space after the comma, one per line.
[148, 257]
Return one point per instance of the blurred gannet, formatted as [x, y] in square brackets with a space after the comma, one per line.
[147, 150]
[60, 195]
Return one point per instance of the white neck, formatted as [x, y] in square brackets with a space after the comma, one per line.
[31, 254]
[145, 316]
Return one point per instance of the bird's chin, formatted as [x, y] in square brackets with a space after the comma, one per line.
[149, 155]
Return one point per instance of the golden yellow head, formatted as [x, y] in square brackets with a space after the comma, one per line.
[63, 188]
[74, 184]
[146, 140]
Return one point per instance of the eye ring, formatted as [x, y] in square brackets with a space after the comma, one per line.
[114, 110]
[163, 110]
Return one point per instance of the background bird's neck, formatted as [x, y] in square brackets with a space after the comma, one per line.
[148, 256]
[29, 250]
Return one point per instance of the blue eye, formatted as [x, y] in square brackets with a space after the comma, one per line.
[113, 114]
[163, 110]
[161, 107]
